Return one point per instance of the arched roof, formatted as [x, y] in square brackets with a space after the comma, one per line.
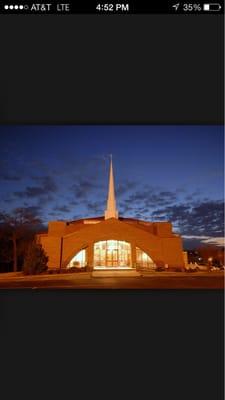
[113, 229]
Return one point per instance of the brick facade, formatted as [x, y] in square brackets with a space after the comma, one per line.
[65, 239]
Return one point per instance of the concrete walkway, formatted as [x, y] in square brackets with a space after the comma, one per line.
[112, 273]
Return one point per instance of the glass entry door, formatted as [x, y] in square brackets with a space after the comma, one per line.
[112, 254]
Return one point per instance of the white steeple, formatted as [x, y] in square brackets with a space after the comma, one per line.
[111, 211]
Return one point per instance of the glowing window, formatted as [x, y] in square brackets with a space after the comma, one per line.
[111, 254]
[79, 260]
[143, 260]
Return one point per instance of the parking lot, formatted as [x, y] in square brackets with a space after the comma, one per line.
[84, 280]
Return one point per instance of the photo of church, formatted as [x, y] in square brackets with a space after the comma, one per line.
[111, 207]
[112, 242]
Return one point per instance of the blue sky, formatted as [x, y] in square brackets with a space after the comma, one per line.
[161, 173]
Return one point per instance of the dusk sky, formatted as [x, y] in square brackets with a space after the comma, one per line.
[161, 173]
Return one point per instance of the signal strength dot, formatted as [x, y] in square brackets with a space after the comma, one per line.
[15, 7]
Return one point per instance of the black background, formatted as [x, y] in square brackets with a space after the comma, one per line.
[119, 344]
[111, 69]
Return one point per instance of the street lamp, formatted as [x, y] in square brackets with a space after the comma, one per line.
[210, 260]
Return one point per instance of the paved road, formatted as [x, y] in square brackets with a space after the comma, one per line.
[162, 280]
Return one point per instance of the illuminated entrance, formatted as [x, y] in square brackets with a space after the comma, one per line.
[112, 254]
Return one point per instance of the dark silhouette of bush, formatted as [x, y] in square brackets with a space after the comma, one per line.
[35, 261]
[160, 268]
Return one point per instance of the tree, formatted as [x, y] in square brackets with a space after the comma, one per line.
[16, 226]
[5, 255]
[215, 253]
[35, 261]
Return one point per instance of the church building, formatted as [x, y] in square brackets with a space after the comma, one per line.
[112, 242]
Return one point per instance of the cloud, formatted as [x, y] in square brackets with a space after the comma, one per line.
[141, 203]
[30, 215]
[175, 212]
[30, 210]
[96, 207]
[218, 241]
[9, 177]
[81, 189]
[47, 185]
[151, 197]
[53, 214]
[73, 202]
[124, 188]
[62, 209]
[198, 219]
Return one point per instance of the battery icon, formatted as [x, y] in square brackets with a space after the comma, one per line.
[212, 7]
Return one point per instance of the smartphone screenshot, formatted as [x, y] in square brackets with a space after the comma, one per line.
[112, 199]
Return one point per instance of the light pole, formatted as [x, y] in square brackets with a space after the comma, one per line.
[61, 254]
